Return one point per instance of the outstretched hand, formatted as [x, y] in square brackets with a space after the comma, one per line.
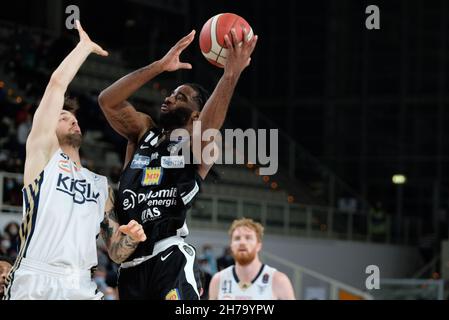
[171, 62]
[134, 230]
[239, 54]
[84, 38]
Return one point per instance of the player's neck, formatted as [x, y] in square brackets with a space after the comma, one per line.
[73, 154]
[248, 272]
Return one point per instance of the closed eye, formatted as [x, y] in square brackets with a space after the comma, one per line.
[181, 96]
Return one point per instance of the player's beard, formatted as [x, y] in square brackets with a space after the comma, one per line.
[174, 119]
[72, 139]
[244, 258]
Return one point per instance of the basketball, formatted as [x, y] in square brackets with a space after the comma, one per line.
[212, 34]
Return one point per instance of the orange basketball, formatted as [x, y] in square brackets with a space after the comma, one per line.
[212, 34]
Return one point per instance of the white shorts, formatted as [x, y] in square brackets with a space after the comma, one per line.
[35, 280]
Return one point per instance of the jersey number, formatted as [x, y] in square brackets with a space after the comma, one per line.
[227, 286]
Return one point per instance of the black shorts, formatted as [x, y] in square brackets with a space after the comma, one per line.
[170, 275]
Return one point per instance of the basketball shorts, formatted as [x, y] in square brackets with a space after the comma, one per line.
[171, 274]
[35, 280]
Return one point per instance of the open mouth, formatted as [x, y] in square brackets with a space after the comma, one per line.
[164, 108]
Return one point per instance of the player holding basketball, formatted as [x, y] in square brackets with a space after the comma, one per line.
[64, 203]
[249, 279]
[157, 188]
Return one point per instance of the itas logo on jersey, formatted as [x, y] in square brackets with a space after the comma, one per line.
[152, 176]
[79, 190]
[150, 214]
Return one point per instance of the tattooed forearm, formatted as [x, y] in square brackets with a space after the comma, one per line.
[120, 246]
[122, 249]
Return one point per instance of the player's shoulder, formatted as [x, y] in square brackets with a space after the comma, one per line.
[227, 269]
[96, 177]
[280, 277]
[222, 273]
[215, 280]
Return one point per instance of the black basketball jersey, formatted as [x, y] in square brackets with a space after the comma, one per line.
[156, 189]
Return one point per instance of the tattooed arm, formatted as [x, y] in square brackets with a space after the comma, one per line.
[121, 241]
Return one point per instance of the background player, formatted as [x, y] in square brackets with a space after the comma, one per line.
[249, 279]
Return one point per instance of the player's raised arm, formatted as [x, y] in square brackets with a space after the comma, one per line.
[121, 115]
[42, 141]
[214, 112]
[121, 241]
[238, 58]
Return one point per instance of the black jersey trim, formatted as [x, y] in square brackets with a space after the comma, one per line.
[236, 278]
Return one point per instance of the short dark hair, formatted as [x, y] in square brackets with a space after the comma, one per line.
[202, 95]
[71, 105]
[7, 259]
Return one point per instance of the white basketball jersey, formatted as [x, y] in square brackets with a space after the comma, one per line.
[63, 208]
[261, 287]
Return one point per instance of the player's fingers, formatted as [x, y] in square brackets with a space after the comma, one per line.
[234, 37]
[141, 235]
[185, 65]
[185, 41]
[252, 44]
[245, 36]
[124, 229]
[78, 26]
[228, 42]
[132, 223]
[102, 52]
[135, 228]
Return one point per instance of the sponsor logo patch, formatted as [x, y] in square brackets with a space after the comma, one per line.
[173, 294]
[139, 162]
[164, 197]
[188, 250]
[80, 190]
[172, 162]
[154, 156]
[265, 278]
[64, 165]
[173, 148]
[152, 176]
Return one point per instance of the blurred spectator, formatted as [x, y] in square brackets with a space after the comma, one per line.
[225, 260]
[110, 294]
[4, 245]
[100, 278]
[347, 204]
[115, 173]
[208, 255]
[11, 235]
[106, 264]
[5, 266]
[12, 192]
[205, 277]
[22, 134]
